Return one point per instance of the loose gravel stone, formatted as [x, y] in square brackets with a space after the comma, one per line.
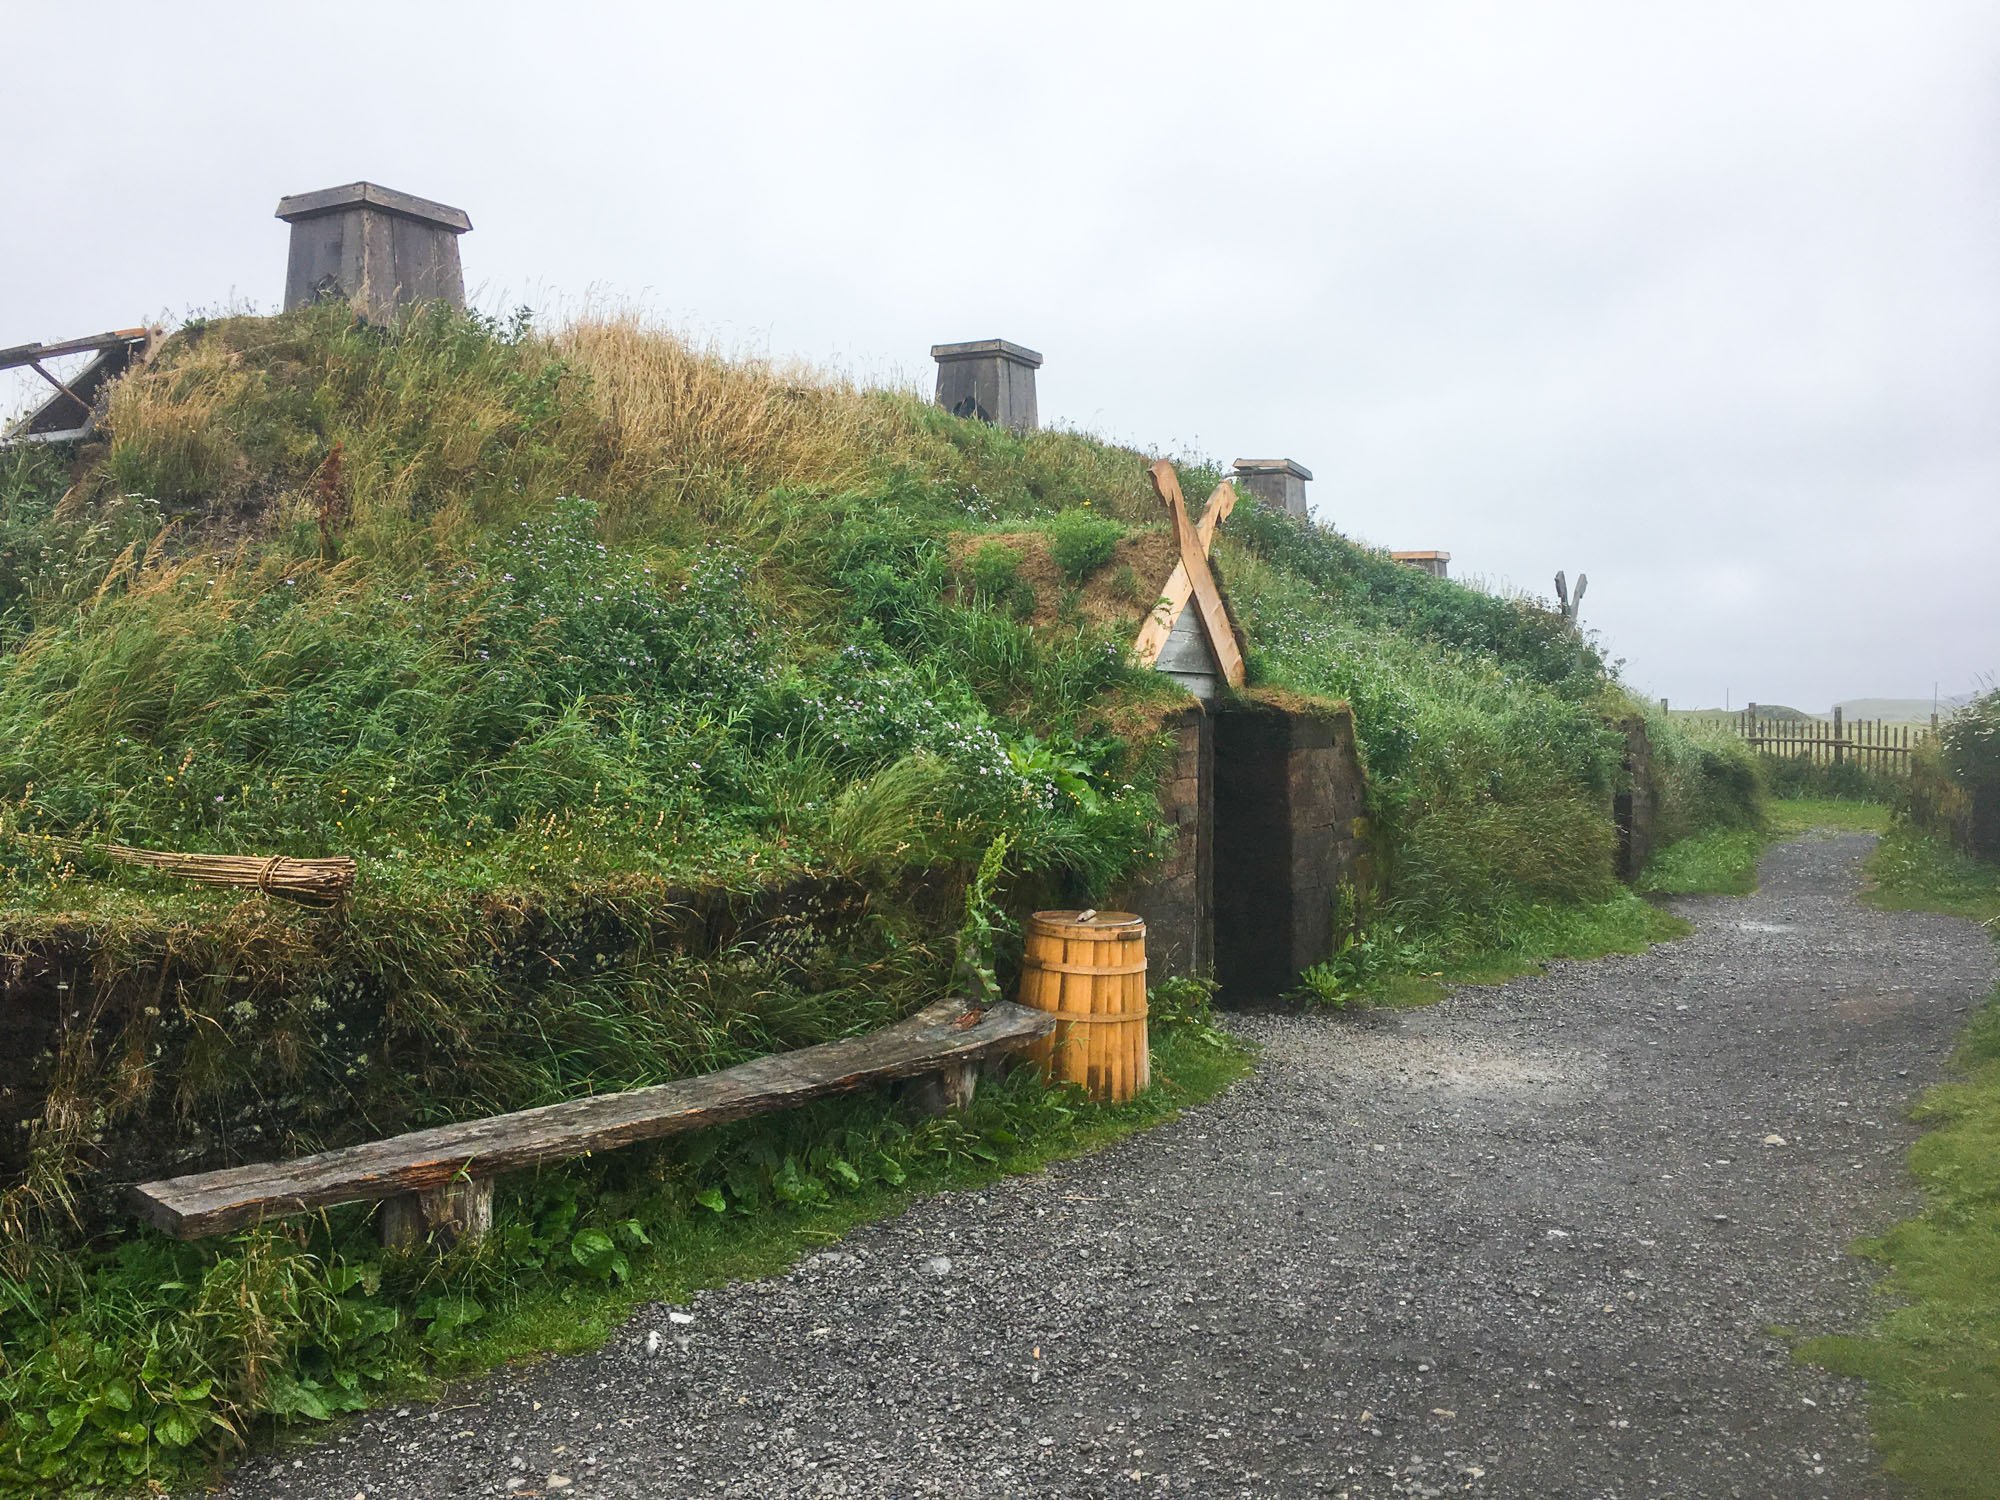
[1537, 1240]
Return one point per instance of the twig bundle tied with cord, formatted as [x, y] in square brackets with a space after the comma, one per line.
[319, 881]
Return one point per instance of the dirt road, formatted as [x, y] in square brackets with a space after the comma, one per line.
[1537, 1240]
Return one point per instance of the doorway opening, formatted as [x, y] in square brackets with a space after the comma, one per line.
[1290, 832]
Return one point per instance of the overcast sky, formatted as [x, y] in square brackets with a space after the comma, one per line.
[1700, 299]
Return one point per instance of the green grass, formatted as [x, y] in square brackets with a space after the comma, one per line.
[1081, 541]
[1720, 862]
[1932, 1361]
[1384, 971]
[1914, 871]
[1624, 924]
[1723, 861]
[1794, 815]
[154, 1361]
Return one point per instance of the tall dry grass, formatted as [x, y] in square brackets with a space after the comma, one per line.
[691, 428]
[450, 426]
[174, 425]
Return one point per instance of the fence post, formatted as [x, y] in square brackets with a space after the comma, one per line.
[1839, 747]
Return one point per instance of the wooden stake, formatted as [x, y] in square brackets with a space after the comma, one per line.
[460, 1212]
[940, 1093]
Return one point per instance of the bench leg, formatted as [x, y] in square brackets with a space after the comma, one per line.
[939, 1093]
[458, 1213]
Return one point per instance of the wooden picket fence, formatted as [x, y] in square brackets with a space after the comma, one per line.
[1872, 744]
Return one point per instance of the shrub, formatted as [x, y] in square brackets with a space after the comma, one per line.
[1704, 777]
[1366, 955]
[1970, 742]
[1182, 1000]
[1953, 788]
[1932, 798]
[1081, 541]
[1801, 775]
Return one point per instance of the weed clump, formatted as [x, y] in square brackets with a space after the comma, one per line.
[1081, 541]
[995, 571]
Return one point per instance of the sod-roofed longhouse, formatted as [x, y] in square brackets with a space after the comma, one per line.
[665, 702]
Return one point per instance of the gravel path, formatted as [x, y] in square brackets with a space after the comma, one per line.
[1537, 1240]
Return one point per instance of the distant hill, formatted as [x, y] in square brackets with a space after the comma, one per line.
[1888, 710]
[1766, 712]
[1898, 710]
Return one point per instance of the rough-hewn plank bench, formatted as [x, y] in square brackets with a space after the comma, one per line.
[441, 1179]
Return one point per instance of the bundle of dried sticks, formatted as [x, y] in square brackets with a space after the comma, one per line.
[321, 881]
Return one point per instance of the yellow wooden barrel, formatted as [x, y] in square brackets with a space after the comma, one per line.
[1089, 968]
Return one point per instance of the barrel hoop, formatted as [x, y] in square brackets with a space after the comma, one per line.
[1066, 1018]
[1048, 966]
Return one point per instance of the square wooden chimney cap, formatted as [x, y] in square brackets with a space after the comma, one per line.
[1273, 466]
[356, 194]
[983, 348]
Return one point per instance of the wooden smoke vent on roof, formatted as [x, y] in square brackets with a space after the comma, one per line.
[1437, 564]
[1192, 580]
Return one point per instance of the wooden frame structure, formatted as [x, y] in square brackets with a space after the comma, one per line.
[1192, 580]
[71, 412]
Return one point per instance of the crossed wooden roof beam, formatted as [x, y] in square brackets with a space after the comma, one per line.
[1192, 580]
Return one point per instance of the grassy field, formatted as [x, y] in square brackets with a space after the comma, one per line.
[1933, 1360]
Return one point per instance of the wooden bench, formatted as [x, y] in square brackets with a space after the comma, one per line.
[440, 1181]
